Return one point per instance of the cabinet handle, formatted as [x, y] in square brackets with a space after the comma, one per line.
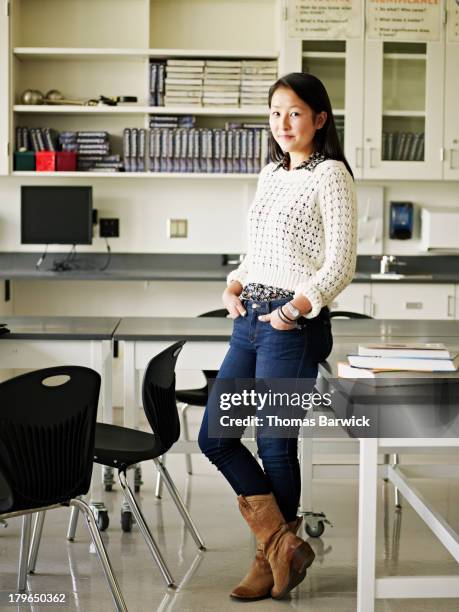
[367, 304]
[451, 155]
[372, 150]
[451, 305]
[414, 305]
[358, 157]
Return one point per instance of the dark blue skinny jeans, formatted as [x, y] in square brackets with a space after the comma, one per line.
[257, 350]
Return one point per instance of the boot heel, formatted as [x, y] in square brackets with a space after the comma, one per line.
[302, 558]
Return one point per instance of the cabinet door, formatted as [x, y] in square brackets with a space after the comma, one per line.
[4, 86]
[355, 298]
[339, 64]
[412, 301]
[403, 124]
[451, 136]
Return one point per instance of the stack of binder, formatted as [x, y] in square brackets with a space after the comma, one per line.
[257, 78]
[222, 81]
[184, 82]
[395, 360]
[93, 151]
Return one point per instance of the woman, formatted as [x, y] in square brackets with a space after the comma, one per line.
[301, 253]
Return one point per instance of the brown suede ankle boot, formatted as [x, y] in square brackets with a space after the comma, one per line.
[288, 555]
[259, 581]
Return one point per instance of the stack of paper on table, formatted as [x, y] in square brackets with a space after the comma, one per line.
[397, 360]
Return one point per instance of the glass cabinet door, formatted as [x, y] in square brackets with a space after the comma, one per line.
[403, 110]
[451, 135]
[339, 65]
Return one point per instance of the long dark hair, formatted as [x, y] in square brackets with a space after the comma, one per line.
[312, 91]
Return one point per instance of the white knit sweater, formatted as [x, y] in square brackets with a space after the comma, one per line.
[302, 232]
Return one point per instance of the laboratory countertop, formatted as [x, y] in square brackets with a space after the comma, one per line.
[59, 328]
[217, 329]
[201, 267]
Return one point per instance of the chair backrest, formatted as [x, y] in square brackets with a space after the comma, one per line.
[47, 434]
[219, 313]
[158, 396]
[6, 495]
[347, 314]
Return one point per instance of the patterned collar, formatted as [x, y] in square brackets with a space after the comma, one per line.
[308, 164]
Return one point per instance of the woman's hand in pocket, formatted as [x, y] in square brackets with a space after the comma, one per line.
[233, 304]
[276, 322]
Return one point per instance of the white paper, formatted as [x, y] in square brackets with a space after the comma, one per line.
[325, 19]
[453, 21]
[404, 20]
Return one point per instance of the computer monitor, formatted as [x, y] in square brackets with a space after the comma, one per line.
[56, 215]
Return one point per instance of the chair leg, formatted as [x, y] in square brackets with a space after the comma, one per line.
[36, 539]
[71, 531]
[102, 554]
[179, 503]
[24, 552]
[140, 520]
[159, 482]
[186, 435]
[398, 501]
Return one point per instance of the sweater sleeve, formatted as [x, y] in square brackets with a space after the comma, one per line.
[338, 207]
[240, 273]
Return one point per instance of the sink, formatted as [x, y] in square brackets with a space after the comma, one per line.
[390, 276]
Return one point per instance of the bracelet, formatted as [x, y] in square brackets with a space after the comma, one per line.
[283, 318]
[288, 318]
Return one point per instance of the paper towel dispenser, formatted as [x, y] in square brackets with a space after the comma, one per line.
[440, 229]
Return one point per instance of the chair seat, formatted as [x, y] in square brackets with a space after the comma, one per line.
[120, 447]
[194, 397]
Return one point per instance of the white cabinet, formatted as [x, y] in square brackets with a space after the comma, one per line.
[451, 134]
[355, 298]
[403, 127]
[4, 86]
[413, 301]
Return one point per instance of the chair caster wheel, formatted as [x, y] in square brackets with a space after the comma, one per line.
[103, 520]
[315, 531]
[126, 521]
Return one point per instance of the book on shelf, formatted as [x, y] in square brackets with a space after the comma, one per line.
[223, 64]
[184, 81]
[424, 364]
[185, 62]
[435, 350]
[183, 70]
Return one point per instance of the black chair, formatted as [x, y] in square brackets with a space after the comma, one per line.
[194, 397]
[47, 429]
[121, 448]
[347, 314]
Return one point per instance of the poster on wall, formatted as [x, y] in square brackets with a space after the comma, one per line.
[404, 20]
[327, 19]
[453, 21]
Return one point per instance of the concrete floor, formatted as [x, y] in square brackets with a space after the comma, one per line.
[205, 579]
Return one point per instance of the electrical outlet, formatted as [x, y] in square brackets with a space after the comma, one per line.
[109, 228]
[177, 228]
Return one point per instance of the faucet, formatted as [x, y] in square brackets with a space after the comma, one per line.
[386, 260]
